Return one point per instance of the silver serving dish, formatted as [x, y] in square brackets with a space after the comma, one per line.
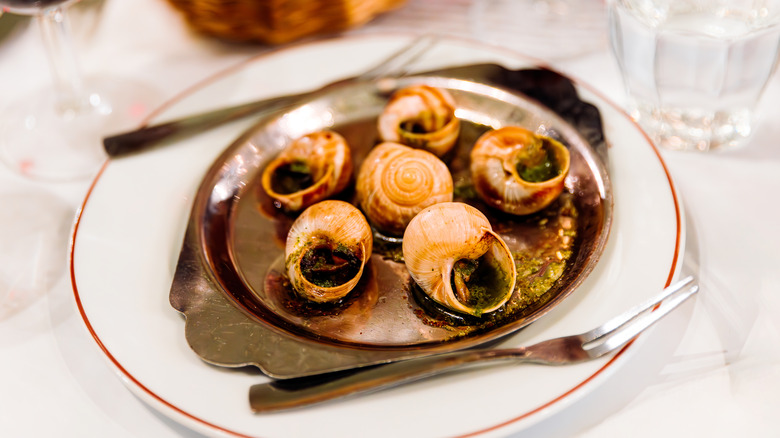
[229, 282]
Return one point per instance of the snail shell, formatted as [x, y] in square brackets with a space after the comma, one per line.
[422, 117]
[455, 257]
[517, 171]
[327, 248]
[395, 182]
[309, 170]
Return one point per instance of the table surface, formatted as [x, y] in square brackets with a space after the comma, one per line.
[723, 379]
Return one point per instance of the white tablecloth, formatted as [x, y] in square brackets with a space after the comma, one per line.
[723, 380]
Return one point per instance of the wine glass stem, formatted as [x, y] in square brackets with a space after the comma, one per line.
[68, 83]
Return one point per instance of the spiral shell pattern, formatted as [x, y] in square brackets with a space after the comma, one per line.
[442, 235]
[327, 158]
[494, 170]
[330, 227]
[395, 182]
[430, 110]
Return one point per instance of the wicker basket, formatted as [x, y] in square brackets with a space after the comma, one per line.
[278, 21]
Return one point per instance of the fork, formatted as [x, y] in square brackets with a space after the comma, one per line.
[396, 65]
[604, 339]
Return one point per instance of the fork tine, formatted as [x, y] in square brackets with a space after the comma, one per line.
[398, 62]
[629, 331]
[635, 311]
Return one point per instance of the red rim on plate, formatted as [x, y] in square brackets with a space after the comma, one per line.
[209, 425]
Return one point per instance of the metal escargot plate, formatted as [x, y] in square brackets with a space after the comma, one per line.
[229, 281]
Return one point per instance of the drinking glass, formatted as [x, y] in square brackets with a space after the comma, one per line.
[34, 231]
[694, 70]
[54, 133]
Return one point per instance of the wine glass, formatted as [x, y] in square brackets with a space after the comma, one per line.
[54, 133]
[34, 233]
[546, 29]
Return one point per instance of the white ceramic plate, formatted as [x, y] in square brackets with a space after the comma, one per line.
[128, 236]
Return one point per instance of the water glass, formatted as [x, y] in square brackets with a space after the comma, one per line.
[694, 70]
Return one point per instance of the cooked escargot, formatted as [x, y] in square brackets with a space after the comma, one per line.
[422, 117]
[517, 171]
[455, 257]
[327, 248]
[310, 169]
[395, 182]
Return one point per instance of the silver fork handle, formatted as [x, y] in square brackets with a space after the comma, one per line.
[292, 393]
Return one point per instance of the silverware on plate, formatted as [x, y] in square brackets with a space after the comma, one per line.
[143, 138]
[604, 339]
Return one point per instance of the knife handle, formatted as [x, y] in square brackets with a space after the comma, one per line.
[299, 392]
[149, 136]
